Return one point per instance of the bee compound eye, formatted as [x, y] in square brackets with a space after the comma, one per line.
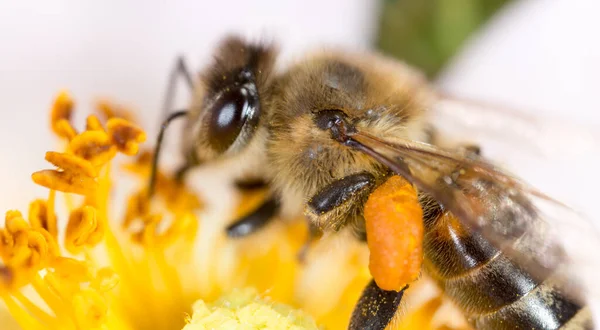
[228, 116]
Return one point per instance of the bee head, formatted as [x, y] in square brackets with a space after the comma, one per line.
[230, 100]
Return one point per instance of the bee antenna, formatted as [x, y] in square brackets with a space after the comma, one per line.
[158, 147]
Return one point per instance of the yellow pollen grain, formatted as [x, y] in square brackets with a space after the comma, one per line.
[245, 309]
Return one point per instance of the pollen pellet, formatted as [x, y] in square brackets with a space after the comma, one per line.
[394, 223]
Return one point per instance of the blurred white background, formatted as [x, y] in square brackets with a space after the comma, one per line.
[537, 55]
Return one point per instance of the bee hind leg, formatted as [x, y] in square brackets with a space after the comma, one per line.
[375, 308]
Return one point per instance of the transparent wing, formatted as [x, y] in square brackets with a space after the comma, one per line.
[513, 216]
[533, 148]
[558, 157]
[500, 127]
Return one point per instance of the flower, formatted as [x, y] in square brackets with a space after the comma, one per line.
[72, 266]
[246, 308]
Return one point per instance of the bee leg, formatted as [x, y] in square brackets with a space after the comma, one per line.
[250, 184]
[158, 148]
[375, 308]
[254, 221]
[314, 233]
[180, 69]
[333, 203]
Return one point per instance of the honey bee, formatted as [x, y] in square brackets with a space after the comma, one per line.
[325, 132]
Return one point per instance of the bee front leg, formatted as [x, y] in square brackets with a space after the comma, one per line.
[341, 200]
[336, 204]
[375, 308]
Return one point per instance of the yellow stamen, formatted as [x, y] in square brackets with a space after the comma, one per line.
[64, 181]
[39, 217]
[125, 135]
[90, 309]
[94, 146]
[71, 163]
[50, 215]
[81, 229]
[59, 308]
[60, 116]
[92, 123]
[25, 320]
[36, 311]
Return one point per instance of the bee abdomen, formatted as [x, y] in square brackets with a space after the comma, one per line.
[544, 307]
[493, 291]
[490, 287]
[454, 251]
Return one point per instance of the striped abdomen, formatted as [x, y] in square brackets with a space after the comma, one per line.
[493, 291]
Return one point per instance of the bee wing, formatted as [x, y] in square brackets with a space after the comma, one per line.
[500, 127]
[531, 147]
[520, 221]
[557, 156]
